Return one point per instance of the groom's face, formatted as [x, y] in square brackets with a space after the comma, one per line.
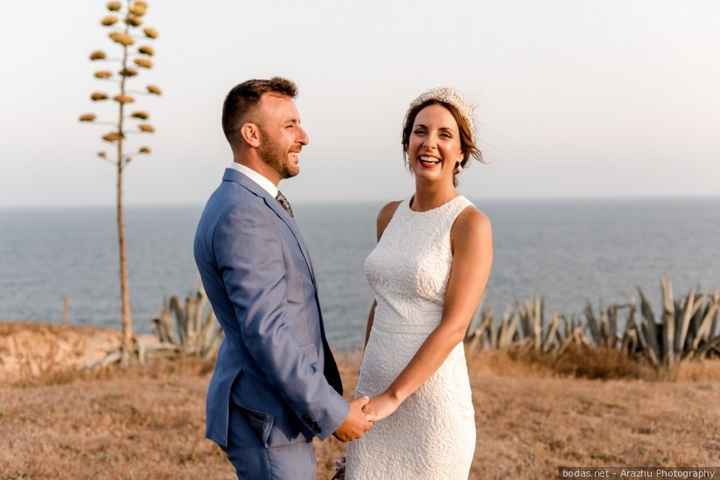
[282, 136]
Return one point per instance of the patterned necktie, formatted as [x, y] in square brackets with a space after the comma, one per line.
[284, 202]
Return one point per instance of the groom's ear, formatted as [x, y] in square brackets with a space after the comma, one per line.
[250, 134]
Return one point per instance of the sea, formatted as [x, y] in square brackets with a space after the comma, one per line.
[570, 251]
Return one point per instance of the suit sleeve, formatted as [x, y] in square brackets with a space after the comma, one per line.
[250, 258]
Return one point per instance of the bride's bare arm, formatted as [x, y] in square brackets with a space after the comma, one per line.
[471, 240]
[383, 219]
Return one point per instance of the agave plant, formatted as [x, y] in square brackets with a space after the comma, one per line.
[133, 20]
[124, 19]
[109, 20]
[124, 99]
[112, 137]
[190, 327]
[686, 329]
[150, 32]
[97, 55]
[98, 96]
[128, 72]
[123, 38]
[138, 8]
[143, 62]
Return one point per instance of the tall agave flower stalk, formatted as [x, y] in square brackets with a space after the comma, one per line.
[125, 22]
[686, 329]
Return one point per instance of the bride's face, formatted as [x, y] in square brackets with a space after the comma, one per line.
[434, 147]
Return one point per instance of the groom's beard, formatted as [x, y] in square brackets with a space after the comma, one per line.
[275, 156]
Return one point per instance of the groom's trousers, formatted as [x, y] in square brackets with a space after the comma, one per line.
[255, 462]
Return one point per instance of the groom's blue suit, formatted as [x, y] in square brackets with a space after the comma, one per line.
[275, 384]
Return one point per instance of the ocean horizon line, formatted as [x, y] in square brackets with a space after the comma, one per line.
[541, 199]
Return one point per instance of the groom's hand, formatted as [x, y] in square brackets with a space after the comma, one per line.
[356, 423]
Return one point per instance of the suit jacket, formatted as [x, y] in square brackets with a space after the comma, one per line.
[274, 363]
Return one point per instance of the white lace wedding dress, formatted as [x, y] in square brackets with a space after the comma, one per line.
[432, 434]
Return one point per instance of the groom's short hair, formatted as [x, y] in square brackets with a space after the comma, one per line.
[243, 98]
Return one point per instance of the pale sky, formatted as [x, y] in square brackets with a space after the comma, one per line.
[574, 98]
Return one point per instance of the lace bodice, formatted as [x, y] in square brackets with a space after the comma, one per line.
[409, 267]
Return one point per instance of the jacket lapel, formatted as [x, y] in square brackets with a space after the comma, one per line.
[237, 177]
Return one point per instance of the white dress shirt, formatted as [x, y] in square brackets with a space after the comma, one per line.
[256, 177]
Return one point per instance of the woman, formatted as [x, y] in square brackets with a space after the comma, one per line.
[428, 272]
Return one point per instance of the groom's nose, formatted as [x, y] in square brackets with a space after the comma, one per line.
[303, 137]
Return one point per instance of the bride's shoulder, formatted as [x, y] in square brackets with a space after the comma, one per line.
[471, 223]
[472, 217]
[387, 211]
[385, 215]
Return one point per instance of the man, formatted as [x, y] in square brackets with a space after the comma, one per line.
[275, 384]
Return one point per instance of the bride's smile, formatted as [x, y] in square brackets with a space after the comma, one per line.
[435, 147]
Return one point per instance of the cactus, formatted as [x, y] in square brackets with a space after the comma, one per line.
[194, 331]
[687, 328]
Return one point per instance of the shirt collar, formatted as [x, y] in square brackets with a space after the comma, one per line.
[256, 177]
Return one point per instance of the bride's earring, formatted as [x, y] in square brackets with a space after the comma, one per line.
[458, 168]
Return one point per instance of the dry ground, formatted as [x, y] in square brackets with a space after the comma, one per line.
[147, 423]
[32, 349]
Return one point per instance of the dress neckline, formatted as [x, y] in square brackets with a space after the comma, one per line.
[425, 212]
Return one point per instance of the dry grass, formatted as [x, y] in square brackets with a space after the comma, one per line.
[531, 416]
[578, 361]
[34, 351]
[132, 424]
[528, 425]
[581, 361]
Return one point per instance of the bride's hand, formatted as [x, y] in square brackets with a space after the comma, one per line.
[380, 407]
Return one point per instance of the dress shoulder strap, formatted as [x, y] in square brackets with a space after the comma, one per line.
[396, 212]
[458, 205]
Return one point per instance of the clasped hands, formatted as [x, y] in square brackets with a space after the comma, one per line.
[363, 414]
